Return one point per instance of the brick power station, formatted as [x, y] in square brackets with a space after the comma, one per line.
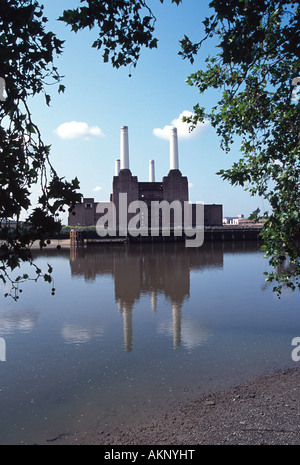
[173, 187]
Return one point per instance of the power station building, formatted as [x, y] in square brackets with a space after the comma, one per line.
[173, 187]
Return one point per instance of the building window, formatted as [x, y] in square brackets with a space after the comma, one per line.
[88, 205]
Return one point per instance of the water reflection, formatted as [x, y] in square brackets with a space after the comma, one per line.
[153, 270]
[78, 334]
[66, 367]
[154, 273]
[23, 321]
[187, 334]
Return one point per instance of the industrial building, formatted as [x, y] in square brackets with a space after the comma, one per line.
[173, 187]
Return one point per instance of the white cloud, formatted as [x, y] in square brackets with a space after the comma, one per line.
[182, 128]
[77, 129]
[97, 188]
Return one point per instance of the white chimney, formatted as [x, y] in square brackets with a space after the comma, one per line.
[174, 150]
[151, 171]
[124, 148]
[117, 167]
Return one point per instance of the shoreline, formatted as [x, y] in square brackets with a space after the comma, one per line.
[265, 410]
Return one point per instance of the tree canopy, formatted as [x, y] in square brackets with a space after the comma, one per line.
[26, 65]
[253, 74]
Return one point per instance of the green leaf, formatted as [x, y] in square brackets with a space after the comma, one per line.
[61, 88]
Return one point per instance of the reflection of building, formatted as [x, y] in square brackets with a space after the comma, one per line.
[160, 269]
[173, 187]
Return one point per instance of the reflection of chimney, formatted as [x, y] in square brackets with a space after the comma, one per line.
[124, 148]
[117, 167]
[153, 300]
[151, 171]
[176, 314]
[174, 150]
[127, 326]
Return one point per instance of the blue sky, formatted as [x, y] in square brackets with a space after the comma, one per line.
[103, 99]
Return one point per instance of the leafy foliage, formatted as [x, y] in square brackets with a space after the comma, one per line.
[27, 53]
[125, 26]
[253, 75]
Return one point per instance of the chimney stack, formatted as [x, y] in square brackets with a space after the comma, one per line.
[117, 167]
[124, 148]
[174, 150]
[151, 171]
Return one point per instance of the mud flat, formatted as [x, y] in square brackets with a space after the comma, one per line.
[263, 411]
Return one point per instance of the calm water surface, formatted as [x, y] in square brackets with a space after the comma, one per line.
[134, 330]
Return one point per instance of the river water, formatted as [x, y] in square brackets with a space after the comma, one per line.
[133, 330]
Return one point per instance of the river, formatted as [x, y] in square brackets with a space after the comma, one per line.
[133, 330]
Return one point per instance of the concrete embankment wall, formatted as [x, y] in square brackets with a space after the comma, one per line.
[215, 234]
